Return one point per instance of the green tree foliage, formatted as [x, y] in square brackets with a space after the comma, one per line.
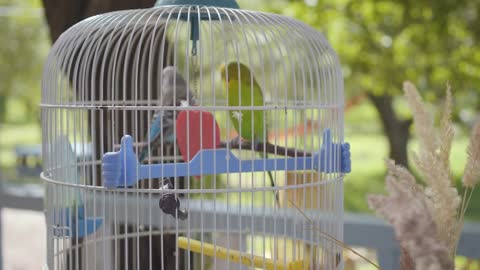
[22, 53]
[383, 43]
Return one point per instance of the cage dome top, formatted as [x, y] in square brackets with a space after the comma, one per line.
[207, 3]
[123, 51]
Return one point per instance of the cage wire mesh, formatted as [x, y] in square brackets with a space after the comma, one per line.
[243, 93]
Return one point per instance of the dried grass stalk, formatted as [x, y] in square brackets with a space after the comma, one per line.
[471, 175]
[406, 262]
[446, 130]
[428, 219]
[405, 207]
[442, 198]
[423, 122]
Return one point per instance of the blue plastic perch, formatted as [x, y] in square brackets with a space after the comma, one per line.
[121, 169]
[77, 225]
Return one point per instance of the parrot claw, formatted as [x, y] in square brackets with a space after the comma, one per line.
[257, 144]
[235, 142]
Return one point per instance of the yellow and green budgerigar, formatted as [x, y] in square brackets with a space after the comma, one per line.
[243, 90]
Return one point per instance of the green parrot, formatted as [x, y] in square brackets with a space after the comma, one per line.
[243, 90]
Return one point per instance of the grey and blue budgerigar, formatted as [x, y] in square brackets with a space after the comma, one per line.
[174, 92]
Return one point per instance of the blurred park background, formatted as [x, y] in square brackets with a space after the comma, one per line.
[380, 44]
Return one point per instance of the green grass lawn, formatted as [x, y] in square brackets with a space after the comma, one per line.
[12, 135]
[368, 170]
[369, 149]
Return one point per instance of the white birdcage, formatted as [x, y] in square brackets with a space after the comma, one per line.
[163, 126]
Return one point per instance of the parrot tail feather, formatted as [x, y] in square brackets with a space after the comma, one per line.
[272, 182]
[142, 155]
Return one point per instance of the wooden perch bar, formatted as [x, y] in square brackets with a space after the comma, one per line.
[267, 147]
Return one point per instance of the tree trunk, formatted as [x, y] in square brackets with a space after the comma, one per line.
[3, 107]
[62, 14]
[396, 130]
